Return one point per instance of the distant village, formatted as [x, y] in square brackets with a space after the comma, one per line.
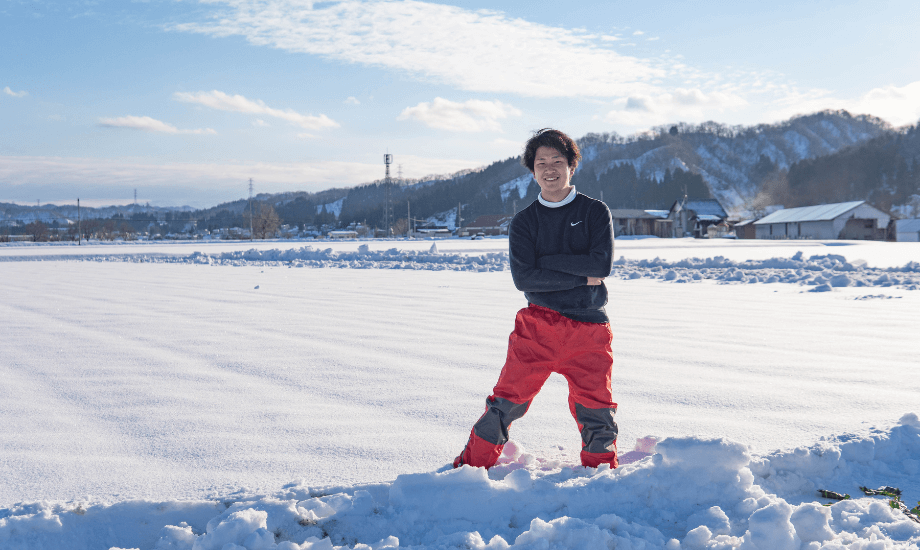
[696, 218]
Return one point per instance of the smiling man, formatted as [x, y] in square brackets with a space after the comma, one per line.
[561, 249]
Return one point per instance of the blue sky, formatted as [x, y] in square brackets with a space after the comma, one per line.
[186, 100]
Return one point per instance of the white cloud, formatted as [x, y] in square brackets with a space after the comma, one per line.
[10, 92]
[443, 43]
[474, 115]
[352, 100]
[487, 51]
[260, 123]
[148, 124]
[308, 176]
[898, 106]
[682, 104]
[239, 104]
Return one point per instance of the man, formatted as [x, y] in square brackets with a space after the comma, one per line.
[561, 249]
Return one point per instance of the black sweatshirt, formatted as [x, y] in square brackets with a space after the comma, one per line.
[554, 250]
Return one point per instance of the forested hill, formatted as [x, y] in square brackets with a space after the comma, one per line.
[885, 171]
[734, 162]
[648, 170]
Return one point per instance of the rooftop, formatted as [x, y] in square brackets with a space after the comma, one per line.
[907, 226]
[821, 212]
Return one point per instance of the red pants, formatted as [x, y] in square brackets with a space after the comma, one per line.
[544, 342]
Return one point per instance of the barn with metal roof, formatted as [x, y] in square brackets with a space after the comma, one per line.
[907, 231]
[854, 220]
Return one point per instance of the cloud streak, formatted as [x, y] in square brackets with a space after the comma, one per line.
[10, 92]
[148, 124]
[899, 105]
[681, 104]
[210, 178]
[236, 103]
[471, 116]
[486, 51]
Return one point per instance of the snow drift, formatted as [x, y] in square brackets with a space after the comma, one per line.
[684, 493]
[821, 272]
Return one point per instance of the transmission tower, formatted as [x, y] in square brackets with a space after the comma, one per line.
[250, 209]
[387, 160]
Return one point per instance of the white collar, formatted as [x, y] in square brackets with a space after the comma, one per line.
[563, 202]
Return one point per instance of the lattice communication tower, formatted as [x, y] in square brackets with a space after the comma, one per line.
[387, 160]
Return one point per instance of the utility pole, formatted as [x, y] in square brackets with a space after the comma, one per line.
[250, 209]
[79, 229]
[387, 160]
[459, 219]
[408, 217]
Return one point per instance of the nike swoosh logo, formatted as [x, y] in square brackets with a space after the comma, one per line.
[576, 223]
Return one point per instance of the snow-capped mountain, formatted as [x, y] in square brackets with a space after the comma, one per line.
[732, 160]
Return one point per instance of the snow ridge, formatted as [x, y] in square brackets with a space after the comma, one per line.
[821, 272]
[686, 493]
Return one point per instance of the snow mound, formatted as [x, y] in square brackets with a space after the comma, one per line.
[692, 493]
[821, 273]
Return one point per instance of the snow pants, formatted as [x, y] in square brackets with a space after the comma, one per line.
[543, 342]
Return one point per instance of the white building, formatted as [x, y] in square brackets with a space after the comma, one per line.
[907, 231]
[431, 234]
[845, 220]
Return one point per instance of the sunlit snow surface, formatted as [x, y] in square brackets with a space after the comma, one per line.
[270, 395]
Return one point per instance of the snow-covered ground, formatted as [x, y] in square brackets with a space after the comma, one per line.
[269, 395]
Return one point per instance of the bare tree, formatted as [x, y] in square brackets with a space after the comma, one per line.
[38, 230]
[265, 221]
[400, 227]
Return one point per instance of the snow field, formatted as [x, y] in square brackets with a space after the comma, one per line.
[138, 395]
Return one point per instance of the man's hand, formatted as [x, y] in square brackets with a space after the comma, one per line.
[594, 281]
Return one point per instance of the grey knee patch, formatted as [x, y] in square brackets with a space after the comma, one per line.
[493, 424]
[599, 431]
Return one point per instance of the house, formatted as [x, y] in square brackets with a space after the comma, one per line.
[627, 221]
[720, 230]
[746, 229]
[493, 224]
[692, 218]
[343, 234]
[18, 238]
[907, 231]
[663, 224]
[854, 220]
[436, 233]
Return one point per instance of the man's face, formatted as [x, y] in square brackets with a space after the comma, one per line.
[552, 172]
